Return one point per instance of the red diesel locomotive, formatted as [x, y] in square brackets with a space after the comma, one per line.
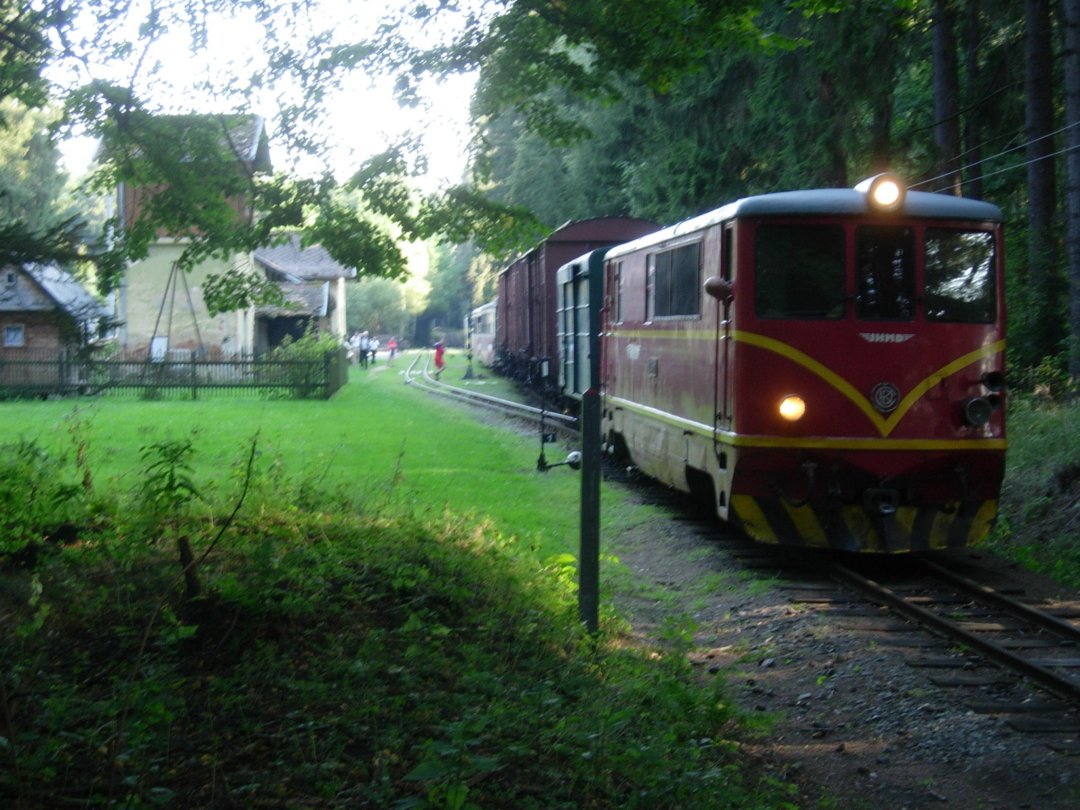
[827, 365]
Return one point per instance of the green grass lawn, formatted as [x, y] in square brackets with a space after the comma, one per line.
[388, 622]
[376, 442]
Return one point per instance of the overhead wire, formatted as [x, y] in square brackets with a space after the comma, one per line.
[1004, 152]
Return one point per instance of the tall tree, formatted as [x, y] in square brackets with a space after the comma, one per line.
[973, 121]
[1042, 199]
[1072, 189]
[106, 63]
[946, 95]
[31, 179]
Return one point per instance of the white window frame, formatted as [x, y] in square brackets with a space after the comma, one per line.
[14, 335]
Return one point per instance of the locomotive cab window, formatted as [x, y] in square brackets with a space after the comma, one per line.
[674, 283]
[800, 271]
[960, 276]
[617, 293]
[885, 273]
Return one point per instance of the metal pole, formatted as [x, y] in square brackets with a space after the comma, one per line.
[589, 564]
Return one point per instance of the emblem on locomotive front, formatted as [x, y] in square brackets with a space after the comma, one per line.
[885, 397]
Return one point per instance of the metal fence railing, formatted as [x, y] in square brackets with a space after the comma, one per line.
[173, 377]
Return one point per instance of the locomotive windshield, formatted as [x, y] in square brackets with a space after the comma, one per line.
[960, 276]
[885, 273]
[800, 271]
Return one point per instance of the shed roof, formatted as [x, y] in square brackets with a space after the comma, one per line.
[307, 298]
[294, 263]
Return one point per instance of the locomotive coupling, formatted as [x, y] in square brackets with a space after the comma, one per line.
[881, 501]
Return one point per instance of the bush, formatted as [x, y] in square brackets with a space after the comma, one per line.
[36, 502]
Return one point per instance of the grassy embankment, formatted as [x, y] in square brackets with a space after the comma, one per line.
[381, 614]
[1040, 505]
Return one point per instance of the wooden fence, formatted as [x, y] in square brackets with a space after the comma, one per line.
[190, 377]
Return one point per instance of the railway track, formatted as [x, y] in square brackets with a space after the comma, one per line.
[1005, 656]
[419, 375]
[999, 654]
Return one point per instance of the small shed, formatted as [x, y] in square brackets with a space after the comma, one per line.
[46, 316]
[313, 284]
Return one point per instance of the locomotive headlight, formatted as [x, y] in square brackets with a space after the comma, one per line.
[885, 192]
[792, 408]
[977, 411]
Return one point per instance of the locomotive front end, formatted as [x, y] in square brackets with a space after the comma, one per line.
[862, 400]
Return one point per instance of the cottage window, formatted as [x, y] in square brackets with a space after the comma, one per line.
[10, 278]
[14, 335]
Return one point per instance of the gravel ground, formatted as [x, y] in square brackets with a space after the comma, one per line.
[846, 718]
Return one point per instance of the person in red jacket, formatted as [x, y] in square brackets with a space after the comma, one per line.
[440, 360]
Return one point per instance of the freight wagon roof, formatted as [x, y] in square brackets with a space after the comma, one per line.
[598, 230]
[821, 202]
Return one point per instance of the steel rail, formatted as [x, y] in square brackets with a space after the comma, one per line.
[999, 600]
[1061, 687]
[520, 410]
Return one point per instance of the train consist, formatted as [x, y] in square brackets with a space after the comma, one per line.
[526, 347]
[826, 366]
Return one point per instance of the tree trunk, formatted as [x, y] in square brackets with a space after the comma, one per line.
[1072, 182]
[946, 97]
[973, 119]
[192, 584]
[1039, 118]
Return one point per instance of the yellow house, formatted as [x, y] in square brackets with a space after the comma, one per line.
[160, 308]
[162, 311]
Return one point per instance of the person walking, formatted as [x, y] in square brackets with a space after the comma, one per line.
[440, 357]
[365, 346]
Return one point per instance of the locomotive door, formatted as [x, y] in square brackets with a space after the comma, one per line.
[722, 349]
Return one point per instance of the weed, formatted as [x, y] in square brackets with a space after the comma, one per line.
[167, 491]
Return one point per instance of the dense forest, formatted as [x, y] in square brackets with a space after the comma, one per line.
[976, 97]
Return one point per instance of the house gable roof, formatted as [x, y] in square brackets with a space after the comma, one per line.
[244, 135]
[66, 291]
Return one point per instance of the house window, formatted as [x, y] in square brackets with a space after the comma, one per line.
[10, 278]
[14, 335]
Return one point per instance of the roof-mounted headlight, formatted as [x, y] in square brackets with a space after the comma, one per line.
[884, 192]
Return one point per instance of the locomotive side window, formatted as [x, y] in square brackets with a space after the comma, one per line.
[885, 273]
[674, 285]
[960, 276]
[800, 271]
